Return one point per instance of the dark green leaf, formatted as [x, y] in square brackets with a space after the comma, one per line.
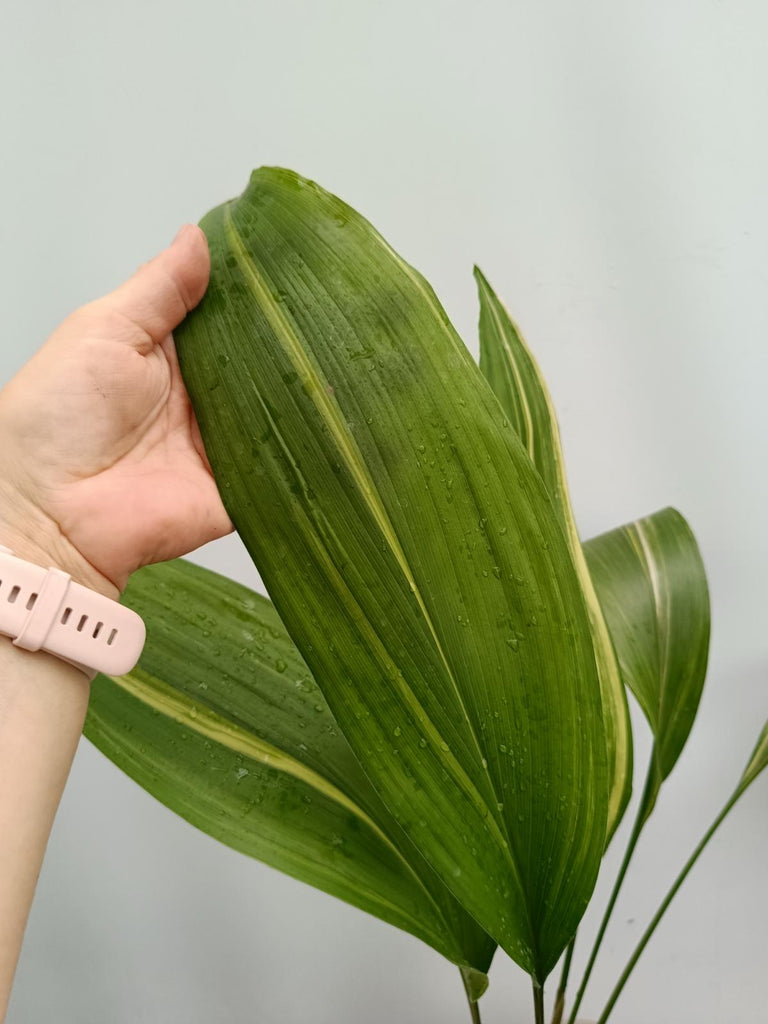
[411, 550]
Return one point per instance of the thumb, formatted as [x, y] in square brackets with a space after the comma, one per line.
[158, 297]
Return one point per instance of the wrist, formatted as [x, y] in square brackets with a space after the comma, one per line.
[31, 535]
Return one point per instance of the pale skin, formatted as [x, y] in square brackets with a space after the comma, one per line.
[102, 471]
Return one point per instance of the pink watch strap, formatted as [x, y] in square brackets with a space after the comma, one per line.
[44, 609]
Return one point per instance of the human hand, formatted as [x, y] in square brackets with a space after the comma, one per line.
[102, 467]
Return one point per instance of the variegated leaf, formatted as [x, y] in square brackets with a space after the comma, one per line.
[515, 377]
[653, 590]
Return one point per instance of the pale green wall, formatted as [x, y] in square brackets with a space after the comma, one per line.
[606, 164]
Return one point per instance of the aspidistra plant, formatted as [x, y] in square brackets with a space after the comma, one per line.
[430, 721]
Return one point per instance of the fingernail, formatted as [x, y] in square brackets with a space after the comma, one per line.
[183, 230]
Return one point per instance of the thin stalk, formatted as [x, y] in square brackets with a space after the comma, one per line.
[474, 1006]
[665, 903]
[637, 828]
[538, 1003]
[557, 1013]
[474, 1012]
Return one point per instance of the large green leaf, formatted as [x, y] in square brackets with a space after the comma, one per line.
[653, 590]
[410, 548]
[515, 377]
[223, 723]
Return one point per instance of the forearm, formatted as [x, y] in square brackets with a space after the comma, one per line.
[43, 702]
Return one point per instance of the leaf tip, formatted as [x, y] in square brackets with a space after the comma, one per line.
[479, 276]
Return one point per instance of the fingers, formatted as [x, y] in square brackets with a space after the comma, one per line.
[158, 297]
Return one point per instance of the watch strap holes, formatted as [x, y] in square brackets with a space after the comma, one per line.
[15, 591]
[67, 614]
[31, 602]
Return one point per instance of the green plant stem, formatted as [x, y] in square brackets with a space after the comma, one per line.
[474, 1012]
[637, 828]
[665, 903]
[557, 1013]
[538, 1003]
[474, 1006]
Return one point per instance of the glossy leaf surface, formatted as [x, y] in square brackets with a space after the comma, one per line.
[223, 723]
[519, 385]
[411, 551]
[653, 590]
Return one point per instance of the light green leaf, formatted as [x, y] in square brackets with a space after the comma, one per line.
[757, 762]
[411, 550]
[475, 982]
[515, 377]
[223, 723]
[653, 590]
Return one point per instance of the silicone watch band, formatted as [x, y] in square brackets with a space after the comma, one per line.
[45, 610]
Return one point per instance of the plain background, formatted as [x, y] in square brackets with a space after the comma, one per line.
[606, 165]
